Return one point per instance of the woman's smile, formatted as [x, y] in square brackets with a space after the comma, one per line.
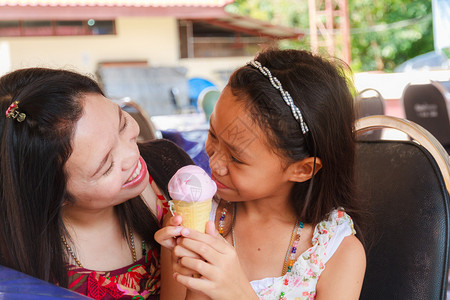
[138, 174]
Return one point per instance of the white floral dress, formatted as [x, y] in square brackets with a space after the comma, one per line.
[306, 271]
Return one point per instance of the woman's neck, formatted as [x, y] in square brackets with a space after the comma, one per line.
[89, 219]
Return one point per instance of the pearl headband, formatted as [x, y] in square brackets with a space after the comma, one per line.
[286, 96]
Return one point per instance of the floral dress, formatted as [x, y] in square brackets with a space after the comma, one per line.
[306, 271]
[140, 280]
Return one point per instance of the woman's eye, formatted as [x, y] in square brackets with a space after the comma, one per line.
[125, 123]
[109, 169]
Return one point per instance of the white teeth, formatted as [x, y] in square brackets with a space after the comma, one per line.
[136, 172]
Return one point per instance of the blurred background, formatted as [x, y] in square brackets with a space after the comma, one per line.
[149, 49]
[166, 61]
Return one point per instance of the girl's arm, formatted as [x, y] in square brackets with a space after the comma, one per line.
[221, 274]
[344, 272]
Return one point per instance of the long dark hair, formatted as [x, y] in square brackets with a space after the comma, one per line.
[32, 177]
[320, 89]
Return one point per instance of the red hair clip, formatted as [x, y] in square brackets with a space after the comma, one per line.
[12, 112]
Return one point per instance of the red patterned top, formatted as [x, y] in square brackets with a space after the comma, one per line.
[140, 280]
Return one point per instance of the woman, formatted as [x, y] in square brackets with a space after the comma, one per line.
[79, 206]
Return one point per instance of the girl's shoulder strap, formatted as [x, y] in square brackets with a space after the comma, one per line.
[162, 205]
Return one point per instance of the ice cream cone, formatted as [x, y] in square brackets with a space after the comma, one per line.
[194, 214]
[192, 190]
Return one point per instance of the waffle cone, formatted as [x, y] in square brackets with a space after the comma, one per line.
[195, 214]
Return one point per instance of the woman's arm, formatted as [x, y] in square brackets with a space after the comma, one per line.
[170, 289]
[166, 237]
[344, 272]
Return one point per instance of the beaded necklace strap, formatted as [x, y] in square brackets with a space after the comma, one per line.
[290, 260]
[291, 251]
[285, 94]
[133, 249]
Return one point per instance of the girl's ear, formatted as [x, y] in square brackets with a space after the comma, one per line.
[302, 171]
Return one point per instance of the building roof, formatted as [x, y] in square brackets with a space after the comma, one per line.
[255, 27]
[211, 11]
[108, 9]
[135, 3]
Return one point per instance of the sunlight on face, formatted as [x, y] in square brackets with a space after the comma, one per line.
[242, 164]
[105, 167]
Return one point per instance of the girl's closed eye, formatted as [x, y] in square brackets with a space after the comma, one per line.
[234, 159]
[211, 134]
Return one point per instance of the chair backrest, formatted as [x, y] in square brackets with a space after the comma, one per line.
[207, 100]
[147, 129]
[369, 102]
[404, 186]
[427, 105]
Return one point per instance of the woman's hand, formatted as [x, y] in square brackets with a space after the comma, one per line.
[167, 235]
[221, 274]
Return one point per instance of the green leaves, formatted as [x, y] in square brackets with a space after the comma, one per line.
[383, 33]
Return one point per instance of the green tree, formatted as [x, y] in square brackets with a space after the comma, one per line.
[383, 33]
[292, 13]
[386, 33]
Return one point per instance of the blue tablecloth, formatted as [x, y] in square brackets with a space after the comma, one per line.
[193, 142]
[16, 285]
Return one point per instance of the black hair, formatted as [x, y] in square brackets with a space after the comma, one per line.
[320, 89]
[32, 177]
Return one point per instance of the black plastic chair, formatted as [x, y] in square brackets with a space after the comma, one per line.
[369, 102]
[428, 105]
[148, 131]
[404, 186]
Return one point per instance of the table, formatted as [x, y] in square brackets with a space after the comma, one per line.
[17, 285]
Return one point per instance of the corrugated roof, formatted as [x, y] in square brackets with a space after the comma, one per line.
[118, 3]
[256, 27]
[210, 11]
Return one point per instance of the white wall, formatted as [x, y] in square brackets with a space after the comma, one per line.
[151, 39]
[391, 85]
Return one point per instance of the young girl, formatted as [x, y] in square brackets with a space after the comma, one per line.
[281, 150]
[78, 203]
